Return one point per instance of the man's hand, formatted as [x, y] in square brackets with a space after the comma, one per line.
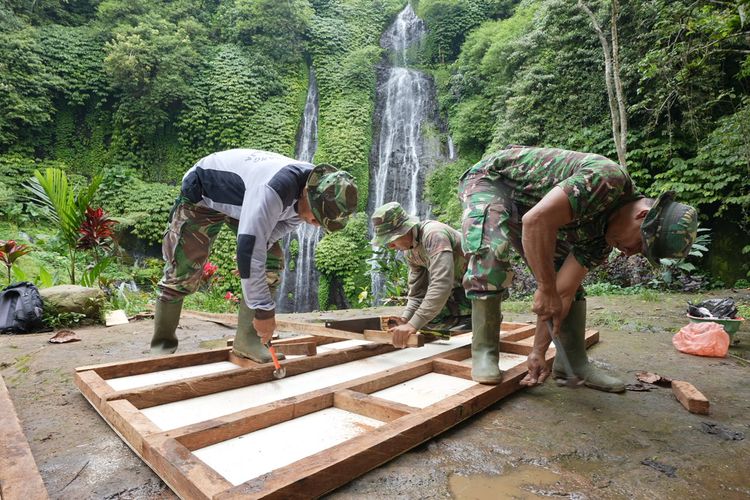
[394, 321]
[548, 306]
[538, 369]
[265, 328]
[401, 334]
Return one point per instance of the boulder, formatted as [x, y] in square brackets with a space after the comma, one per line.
[74, 299]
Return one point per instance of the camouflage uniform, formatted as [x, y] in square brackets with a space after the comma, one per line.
[496, 193]
[436, 300]
[187, 245]
[432, 238]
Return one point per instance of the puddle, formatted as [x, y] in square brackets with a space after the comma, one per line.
[519, 483]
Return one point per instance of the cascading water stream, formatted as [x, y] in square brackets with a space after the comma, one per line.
[301, 282]
[406, 106]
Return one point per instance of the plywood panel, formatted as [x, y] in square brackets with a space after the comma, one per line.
[251, 455]
[425, 390]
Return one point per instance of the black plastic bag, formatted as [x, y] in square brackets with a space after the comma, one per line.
[714, 308]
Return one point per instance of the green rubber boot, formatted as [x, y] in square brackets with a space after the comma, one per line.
[572, 337]
[246, 341]
[166, 318]
[485, 340]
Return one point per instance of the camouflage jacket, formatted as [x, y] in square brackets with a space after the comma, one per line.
[436, 266]
[596, 186]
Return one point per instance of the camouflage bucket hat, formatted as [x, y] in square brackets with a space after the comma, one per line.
[669, 229]
[390, 222]
[332, 195]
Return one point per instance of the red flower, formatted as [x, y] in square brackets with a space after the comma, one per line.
[231, 297]
[209, 270]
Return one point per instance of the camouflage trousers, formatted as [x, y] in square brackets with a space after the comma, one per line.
[455, 312]
[187, 245]
[491, 225]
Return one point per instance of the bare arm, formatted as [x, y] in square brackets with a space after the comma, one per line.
[569, 278]
[539, 237]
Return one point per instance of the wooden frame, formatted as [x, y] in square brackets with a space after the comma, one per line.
[19, 477]
[173, 452]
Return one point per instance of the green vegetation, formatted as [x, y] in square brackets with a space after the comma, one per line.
[137, 91]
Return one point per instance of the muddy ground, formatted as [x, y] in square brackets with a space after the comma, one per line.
[542, 442]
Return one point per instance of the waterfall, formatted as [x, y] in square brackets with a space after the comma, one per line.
[301, 282]
[407, 125]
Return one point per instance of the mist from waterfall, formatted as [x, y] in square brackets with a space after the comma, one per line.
[301, 282]
[406, 107]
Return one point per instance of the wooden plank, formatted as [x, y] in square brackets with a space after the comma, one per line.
[169, 392]
[130, 423]
[316, 329]
[226, 427]
[93, 387]
[19, 476]
[185, 473]
[517, 331]
[415, 340]
[691, 398]
[371, 406]
[157, 363]
[452, 368]
[297, 348]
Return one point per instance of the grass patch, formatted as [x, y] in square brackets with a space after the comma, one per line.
[607, 319]
[210, 301]
[517, 306]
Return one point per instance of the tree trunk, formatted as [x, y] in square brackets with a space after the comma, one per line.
[613, 83]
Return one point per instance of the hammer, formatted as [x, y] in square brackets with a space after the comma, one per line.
[279, 371]
[571, 379]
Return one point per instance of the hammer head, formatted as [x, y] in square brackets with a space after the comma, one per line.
[279, 372]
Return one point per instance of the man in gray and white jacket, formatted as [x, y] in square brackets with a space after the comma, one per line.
[262, 196]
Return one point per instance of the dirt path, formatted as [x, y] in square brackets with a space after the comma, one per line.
[550, 441]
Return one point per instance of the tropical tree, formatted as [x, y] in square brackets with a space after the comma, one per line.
[63, 206]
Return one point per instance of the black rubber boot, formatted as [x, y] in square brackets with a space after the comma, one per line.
[246, 341]
[166, 319]
[485, 340]
[572, 337]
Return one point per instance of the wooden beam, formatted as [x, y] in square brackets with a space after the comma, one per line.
[19, 476]
[691, 398]
[452, 368]
[131, 424]
[93, 387]
[415, 340]
[517, 331]
[157, 363]
[168, 392]
[371, 406]
[226, 427]
[185, 473]
[297, 348]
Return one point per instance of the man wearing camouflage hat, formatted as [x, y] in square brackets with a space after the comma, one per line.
[436, 299]
[262, 196]
[563, 211]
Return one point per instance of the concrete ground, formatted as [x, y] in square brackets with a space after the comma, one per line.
[542, 442]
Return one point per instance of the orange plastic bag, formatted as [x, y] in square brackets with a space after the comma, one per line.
[703, 339]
